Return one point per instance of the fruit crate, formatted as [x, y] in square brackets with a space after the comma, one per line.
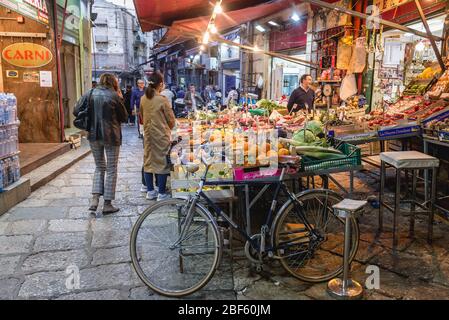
[352, 159]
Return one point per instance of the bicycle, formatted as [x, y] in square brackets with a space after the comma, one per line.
[176, 245]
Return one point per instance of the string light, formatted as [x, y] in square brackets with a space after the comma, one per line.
[206, 37]
[218, 9]
[213, 28]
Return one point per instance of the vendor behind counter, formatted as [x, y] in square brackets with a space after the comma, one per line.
[302, 95]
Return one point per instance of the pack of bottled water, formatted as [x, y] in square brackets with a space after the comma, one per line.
[9, 140]
[9, 171]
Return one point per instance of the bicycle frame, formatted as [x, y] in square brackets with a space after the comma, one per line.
[280, 186]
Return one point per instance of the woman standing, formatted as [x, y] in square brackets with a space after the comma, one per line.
[107, 112]
[158, 121]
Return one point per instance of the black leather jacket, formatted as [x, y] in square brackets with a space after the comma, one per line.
[106, 115]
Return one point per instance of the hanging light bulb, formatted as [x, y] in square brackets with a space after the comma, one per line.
[206, 37]
[213, 28]
[218, 9]
[420, 46]
[202, 47]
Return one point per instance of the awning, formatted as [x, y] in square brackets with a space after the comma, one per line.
[156, 14]
[186, 29]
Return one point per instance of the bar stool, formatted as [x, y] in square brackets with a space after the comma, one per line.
[414, 161]
[346, 288]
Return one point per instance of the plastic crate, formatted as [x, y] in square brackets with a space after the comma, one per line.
[353, 159]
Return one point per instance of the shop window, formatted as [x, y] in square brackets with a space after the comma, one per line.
[393, 52]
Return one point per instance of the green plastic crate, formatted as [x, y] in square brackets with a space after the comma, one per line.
[353, 158]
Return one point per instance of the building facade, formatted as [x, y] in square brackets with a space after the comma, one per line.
[119, 45]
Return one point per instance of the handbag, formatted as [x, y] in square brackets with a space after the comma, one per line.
[82, 119]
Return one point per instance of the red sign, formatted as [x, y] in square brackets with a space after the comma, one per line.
[293, 37]
[27, 55]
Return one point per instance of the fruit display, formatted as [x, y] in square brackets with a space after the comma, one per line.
[438, 125]
[427, 112]
[268, 105]
[416, 88]
[442, 86]
[428, 73]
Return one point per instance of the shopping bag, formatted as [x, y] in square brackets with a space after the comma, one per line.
[358, 58]
[344, 53]
[348, 87]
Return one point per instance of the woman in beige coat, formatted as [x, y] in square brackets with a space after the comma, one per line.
[158, 121]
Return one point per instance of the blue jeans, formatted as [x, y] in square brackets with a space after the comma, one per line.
[161, 181]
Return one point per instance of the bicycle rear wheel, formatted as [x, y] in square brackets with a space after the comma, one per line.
[303, 257]
[165, 262]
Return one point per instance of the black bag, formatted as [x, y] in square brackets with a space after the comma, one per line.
[82, 119]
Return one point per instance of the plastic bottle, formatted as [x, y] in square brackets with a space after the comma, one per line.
[2, 109]
[1, 176]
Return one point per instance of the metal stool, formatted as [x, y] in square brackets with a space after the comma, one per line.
[346, 288]
[414, 161]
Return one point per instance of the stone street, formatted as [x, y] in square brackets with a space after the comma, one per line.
[43, 238]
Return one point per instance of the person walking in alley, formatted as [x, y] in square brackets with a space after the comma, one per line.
[127, 100]
[107, 112]
[158, 121]
[135, 100]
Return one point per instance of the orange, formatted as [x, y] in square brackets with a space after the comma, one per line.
[283, 152]
[272, 154]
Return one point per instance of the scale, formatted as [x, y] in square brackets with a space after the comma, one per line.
[327, 92]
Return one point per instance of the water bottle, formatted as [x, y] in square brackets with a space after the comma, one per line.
[2, 109]
[1, 176]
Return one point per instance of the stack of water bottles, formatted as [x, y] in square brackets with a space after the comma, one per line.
[9, 140]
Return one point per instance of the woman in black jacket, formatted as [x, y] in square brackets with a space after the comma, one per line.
[107, 112]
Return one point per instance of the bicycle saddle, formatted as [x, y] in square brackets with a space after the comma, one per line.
[192, 167]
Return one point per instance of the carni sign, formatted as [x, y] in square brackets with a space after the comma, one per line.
[27, 55]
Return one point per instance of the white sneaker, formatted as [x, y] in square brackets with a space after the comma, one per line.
[163, 196]
[151, 195]
[143, 189]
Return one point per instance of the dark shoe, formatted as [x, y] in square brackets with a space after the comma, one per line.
[109, 208]
[94, 203]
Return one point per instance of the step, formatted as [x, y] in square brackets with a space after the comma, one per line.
[13, 194]
[47, 172]
[35, 155]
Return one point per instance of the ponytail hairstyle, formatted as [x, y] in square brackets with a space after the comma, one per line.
[155, 80]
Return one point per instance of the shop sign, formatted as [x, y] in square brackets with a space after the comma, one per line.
[27, 55]
[31, 76]
[34, 9]
[12, 74]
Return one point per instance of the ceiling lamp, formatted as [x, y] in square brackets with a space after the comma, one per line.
[274, 24]
[420, 46]
[295, 17]
[260, 28]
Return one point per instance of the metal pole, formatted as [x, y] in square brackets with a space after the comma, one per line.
[58, 41]
[365, 16]
[429, 33]
[346, 249]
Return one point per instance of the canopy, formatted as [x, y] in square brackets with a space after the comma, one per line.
[186, 29]
[156, 14]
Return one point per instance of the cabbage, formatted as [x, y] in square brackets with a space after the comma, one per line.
[307, 137]
[315, 126]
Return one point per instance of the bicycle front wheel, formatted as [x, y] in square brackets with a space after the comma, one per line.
[171, 264]
[302, 256]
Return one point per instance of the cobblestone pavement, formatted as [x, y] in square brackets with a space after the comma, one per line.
[53, 230]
